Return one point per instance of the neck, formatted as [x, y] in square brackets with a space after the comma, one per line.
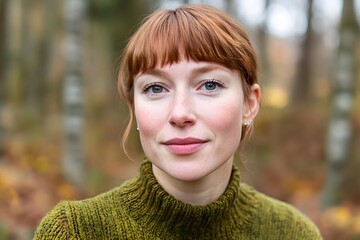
[152, 207]
[198, 192]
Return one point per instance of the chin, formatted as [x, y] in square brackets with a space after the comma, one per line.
[190, 177]
[189, 173]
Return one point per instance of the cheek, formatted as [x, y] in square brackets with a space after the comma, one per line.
[226, 120]
[148, 119]
[226, 115]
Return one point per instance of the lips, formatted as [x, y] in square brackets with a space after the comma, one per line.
[183, 146]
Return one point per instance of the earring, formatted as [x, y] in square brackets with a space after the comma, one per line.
[137, 129]
[247, 123]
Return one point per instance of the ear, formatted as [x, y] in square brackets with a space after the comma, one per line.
[252, 103]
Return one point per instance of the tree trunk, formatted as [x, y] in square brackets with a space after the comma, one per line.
[230, 8]
[13, 47]
[73, 161]
[29, 80]
[263, 46]
[47, 52]
[339, 131]
[302, 85]
[2, 75]
[2, 46]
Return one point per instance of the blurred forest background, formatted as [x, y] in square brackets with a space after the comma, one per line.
[61, 118]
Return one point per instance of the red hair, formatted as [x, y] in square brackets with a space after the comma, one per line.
[196, 32]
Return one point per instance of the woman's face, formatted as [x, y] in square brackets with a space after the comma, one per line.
[189, 116]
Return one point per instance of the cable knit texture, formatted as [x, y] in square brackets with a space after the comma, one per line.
[141, 209]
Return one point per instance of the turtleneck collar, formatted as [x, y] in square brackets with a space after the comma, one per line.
[153, 208]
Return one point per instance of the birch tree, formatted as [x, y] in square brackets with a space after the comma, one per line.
[73, 162]
[339, 130]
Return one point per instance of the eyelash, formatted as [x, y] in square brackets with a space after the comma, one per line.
[150, 85]
[220, 84]
[217, 82]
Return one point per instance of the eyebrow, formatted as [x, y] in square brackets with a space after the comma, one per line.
[156, 72]
[195, 71]
[209, 68]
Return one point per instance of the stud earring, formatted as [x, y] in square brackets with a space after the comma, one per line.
[247, 123]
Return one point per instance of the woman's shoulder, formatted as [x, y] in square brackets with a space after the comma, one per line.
[276, 216]
[88, 217]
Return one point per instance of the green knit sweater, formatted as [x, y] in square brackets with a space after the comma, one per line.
[141, 209]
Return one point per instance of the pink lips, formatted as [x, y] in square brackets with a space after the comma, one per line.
[184, 146]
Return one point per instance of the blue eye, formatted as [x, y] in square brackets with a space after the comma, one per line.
[211, 85]
[154, 89]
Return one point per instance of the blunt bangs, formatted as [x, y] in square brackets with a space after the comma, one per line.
[189, 32]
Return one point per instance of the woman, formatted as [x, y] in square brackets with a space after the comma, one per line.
[189, 77]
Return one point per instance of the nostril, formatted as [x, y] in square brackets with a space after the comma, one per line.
[182, 116]
[181, 123]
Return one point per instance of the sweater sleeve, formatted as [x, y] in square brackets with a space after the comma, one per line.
[55, 225]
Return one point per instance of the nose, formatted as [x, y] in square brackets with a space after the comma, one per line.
[182, 112]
